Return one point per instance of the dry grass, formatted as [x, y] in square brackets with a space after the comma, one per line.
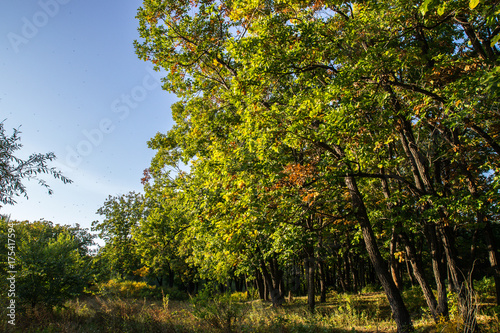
[342, 313]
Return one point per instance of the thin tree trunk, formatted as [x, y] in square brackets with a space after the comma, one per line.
[439, 270]
[460, 285]
[419, 275]
[309, 264]
[393, 262]
[493, 257]
[322, 281]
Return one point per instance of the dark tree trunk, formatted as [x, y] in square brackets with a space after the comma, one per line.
[272, 284]
[419, 275]
[347, 272]
[322, 281]
[310, 272]
[260, 285]
[399, 310]
[439, 269]
[171, 278]
[493, 257]
[393, 262]
[460, 284]
[353, 273]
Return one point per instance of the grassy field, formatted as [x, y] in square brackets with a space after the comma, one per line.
[367, 312]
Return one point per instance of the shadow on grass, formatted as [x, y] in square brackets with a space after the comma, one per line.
[341, 314]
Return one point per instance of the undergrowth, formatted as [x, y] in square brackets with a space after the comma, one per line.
[228, 313]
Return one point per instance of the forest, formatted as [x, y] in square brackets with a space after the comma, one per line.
[320, 149]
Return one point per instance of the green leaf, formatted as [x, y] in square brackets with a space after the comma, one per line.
[495, 40]
[441, 9]
[424, 7]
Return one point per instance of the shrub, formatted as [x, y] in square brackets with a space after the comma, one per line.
[219, 311]
[415, 301]
[175, 294]
[128, 289]
[485, 286]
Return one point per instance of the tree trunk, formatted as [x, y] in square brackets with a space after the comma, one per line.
[393, 262]
[309, 265]
[272, 284]
[322, 281]
[439, 269]
[460, 284]
[260, 285]
[419, 275]
[399, 310]
[347, 271]
[493, 257]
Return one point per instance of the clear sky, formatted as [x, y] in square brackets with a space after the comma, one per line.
[70, 78]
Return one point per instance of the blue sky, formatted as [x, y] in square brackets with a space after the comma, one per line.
[71, 79]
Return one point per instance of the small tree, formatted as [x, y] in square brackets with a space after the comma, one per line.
[13, 169]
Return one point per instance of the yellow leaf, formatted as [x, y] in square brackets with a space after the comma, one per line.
[473, 3]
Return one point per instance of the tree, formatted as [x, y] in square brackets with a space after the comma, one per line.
[121, 215]
[52, 261]
[160, 234]
[388, 97]
[14, 170]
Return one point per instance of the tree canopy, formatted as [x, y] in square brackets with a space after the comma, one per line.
[316, 129]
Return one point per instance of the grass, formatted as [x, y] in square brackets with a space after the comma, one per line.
[368, 312]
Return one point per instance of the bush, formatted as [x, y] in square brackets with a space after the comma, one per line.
[128, 289]
[485, 286]
[175, 294]
[371, 288]
[219, 311]
[415, 301]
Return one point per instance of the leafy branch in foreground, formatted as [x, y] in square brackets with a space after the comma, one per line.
[13, 169]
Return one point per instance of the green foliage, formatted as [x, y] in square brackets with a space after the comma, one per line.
[415, 300]
[312, 123]
[219, 311]
[52, 261]
[175, 294]
[121, 215]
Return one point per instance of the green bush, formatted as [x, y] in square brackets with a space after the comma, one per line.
[485, 286]
[370, 288]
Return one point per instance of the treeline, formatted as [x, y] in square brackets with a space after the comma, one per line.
[330, 144]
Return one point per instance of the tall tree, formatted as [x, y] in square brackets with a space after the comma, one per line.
[387, 90]
[121, 215]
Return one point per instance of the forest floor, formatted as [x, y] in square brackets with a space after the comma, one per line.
[342, 313]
